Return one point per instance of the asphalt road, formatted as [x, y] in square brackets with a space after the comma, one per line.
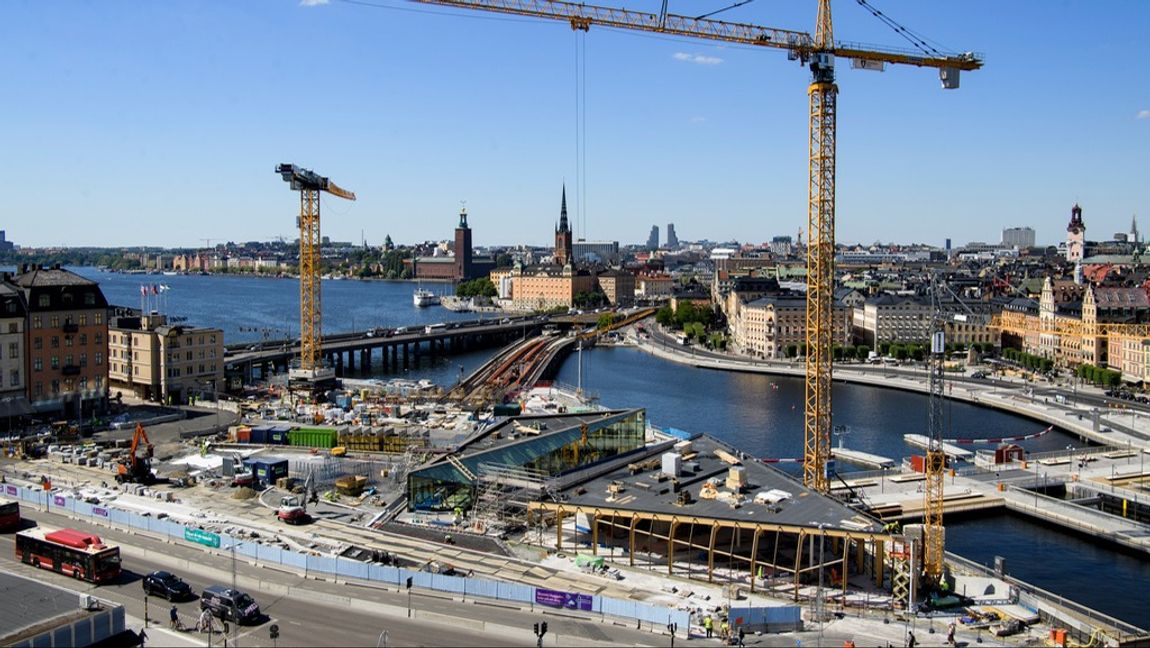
[305, 617]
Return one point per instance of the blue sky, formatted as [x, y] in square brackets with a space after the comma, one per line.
[160, 123]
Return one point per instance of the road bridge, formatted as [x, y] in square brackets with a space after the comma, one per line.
[392, 349]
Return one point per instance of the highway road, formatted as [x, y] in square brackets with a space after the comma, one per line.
[317, 612]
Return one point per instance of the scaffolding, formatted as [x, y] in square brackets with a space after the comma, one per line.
[501, 496]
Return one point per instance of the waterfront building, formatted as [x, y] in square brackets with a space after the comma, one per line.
[619, 286]
[1018, 237]
[13, 374]
[462, 265]
[1075, 236]
[66, 342]
[765, 326]
[892, 318]
[548, 286]
[501, 279]
[157, 361]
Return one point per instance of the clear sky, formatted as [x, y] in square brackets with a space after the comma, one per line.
[160, 123]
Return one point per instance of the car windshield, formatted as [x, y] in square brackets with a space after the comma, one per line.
[243, 601]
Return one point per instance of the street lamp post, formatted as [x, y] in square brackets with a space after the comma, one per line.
[672, 627]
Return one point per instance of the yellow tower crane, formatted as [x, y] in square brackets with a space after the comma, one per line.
[311, 372]
[819, 53]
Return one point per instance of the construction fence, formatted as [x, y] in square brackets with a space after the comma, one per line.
[340, 567]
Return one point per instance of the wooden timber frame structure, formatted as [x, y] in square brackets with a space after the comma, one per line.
[858, 551]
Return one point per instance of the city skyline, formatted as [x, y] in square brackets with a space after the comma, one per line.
[142, 124]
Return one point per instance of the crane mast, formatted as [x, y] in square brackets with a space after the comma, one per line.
[819, 52]
[933, 531]
[309, 184]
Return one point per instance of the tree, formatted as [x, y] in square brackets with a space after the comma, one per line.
[862, 352]
[605, 321]
[481, 287]
[917, 352]
[665, 316]
[791, 351]
[884, 348]
[837, 353]
[900, 352]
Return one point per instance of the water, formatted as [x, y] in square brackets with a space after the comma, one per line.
[764, 416]
[760, 414]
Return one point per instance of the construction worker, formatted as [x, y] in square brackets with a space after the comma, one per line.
[709, 625]
[725, 631]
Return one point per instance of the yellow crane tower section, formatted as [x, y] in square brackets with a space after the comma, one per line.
[819, 53]
[309, 184]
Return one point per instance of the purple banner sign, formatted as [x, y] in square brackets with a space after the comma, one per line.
[102, 512]
[58, 500]
[565, 600]
[11, 490]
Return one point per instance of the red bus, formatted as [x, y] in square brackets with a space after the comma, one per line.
[9, 514]
[69, 552]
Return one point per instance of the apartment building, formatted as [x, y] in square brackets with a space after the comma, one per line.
[165, 363]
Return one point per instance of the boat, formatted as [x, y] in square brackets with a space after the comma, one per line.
[423, 298]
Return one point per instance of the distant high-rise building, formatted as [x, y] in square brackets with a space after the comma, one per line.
[947, 247]
[1075, 236]
[563, 234]
[672, 239]
[1134, 237]
[1019, 237]
[653, 238]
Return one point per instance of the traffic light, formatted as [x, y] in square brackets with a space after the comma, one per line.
[537, 629]
[544, 628]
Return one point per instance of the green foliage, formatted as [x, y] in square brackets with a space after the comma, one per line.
[837, 353]
[665, 316]
[606, 320]
[504, 261]
[688, 312]
[589, 300]
[917, 352]
[884, 348]
[481, 287]
[862, 352]
[717, 341]
[792, 351]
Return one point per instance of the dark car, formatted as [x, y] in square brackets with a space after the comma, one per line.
[167, 585]
[229, 604]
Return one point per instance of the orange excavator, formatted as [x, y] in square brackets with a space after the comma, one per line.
[136, 468]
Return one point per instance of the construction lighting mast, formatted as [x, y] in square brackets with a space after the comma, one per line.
[311, 372]
[819, 53]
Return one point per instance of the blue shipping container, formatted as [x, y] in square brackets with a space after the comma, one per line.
[260, 434]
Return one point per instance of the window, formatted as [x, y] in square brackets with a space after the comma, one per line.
[44, 301]
[55, 362]
[54, 321]
[83, 339]
[14, 378]
[99, 338]
[55, 341]
[83, 384]
[67, 340]
[38, 390]
[89, 298]
[98, 319]
[83, 320]
[38, 364]
[55, 386]
[99, 359]
[13, 349]
[135, 371]
[67, 360]
[83, 359]
[36, 322]
[189, 355]
[13, 327]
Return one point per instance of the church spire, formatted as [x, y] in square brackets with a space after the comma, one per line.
[563, 211]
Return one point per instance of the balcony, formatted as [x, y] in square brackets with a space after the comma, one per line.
[71, 327]
[70, 370]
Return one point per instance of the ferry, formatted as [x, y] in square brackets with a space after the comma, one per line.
[423, 298]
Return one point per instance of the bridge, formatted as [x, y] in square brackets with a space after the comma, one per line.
[392, 349]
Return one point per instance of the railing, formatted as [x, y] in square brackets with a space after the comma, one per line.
[171, 531]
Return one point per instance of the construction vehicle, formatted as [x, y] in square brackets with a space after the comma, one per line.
[293, 508]
[136, 468]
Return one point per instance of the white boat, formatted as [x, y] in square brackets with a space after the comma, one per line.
[423, 298]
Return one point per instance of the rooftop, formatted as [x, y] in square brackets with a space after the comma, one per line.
[33, 607]
[784, 501]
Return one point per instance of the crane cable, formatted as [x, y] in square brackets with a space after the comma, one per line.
[581, 132]
[918, 40]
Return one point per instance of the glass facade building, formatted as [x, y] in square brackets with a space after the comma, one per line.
[595, 438]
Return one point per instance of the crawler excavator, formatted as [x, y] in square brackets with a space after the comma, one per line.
[136, 468]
